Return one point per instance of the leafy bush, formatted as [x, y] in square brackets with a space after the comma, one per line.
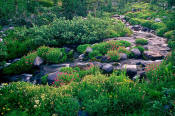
[141, 41]
[45, 100]
[78, 30]
[94, 54]
[25, 64]
[164, 106]
[170, 34]
[135, 21]
[103, 47]
[52, 55]
[82, 48]
[113, 55]
[158, 25]
[44, 79]
[123, 50]
[141, 49]
[65, 78]
[161, 31]
[171, 43]
[158, 73]
[147, 23]
[90, 70]
[3, 52]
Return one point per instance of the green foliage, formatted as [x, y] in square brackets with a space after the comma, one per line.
[82, 48]
[141, 41]
[3, 52]
[171, 43]
[143, 22]
[165, 105]
[141, 49]
[52, 55]
[77, 31]
[158, 25]
[24, 65]
[170, 34]
[65, 78]
[89, 70]
[44, 79]
[123, 50]
[94, 54]
[113, 55]
[17, 113]
[161, 31]
[158, 73]
[66, 106]
[135, 21]
[74, 8]
[103, 47]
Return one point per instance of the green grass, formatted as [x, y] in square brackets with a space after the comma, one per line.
[141, 41]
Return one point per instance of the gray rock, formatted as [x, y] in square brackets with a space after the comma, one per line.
[38, 61]
[52, 77]
[153, 55]
[22, 77]
[7, 64]
[131, 70]
[105, 59]
[67, 50]
[81, 57]
[149, 18]
[145, 29]
[53, 68]
[157, 20]
[164, 17]
[1, 40]
[88, 50]
[136, 27]
[81, 65]
[136, 52]
[107, 68]
[123, 56]
[122, 16]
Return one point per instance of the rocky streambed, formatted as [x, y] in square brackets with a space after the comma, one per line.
[155, 51]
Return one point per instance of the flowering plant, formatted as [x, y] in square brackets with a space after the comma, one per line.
[65, 78]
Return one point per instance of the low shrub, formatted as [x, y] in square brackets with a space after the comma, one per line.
[170, 34]
[161, 31]
[113, 55]
[94, 54]
[45, 100]
[164, 106]
[65, 78]
[52, 55]
[90, 70]
[141, 41]
[141, 49]
[3, 52]
[147, 23]
[44, 79]
[171, 43]
[110, 45]
[124, 50]
[24, 65]
[135, 21]
[158, 25]
[76, 31]
[82, 48]
[158, 73]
